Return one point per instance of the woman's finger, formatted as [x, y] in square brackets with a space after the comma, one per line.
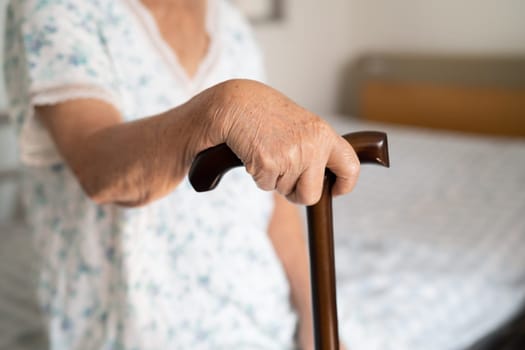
[309, 186]
[266, 180]
[343, 162]
[286, 183]
[264, 170]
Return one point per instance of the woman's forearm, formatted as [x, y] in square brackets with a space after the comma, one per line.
[135, 163]
[128, 163]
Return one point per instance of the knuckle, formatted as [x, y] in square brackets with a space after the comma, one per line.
[265, 186]
[251, 168]
[265, 162]
[260, 164]
[269, 164]
[265, 179]
[309, 150]
[264, 183]
[292, 153]
[354, 168]
[353, 165]
[325, 129]
[284, 187]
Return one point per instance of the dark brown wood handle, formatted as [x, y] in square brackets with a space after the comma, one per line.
[210, 165]
[370, 147]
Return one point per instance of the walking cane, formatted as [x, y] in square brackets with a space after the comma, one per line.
[370, 147]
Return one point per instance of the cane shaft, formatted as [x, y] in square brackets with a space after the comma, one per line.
[322, 271]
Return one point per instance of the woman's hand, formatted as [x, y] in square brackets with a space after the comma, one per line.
[282, 145]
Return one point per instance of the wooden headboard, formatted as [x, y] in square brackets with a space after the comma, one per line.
[471, 94]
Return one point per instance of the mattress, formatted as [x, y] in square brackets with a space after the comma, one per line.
[430, 254]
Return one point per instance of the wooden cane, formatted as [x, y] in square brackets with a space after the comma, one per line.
[370, 147]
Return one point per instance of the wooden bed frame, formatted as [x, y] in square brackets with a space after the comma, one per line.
[469, 94]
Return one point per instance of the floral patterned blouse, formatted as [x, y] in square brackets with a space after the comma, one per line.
[189, 271]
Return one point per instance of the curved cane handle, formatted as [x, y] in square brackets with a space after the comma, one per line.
[370, 146]
[210, 165]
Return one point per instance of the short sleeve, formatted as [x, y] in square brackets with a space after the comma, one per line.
[54, 51]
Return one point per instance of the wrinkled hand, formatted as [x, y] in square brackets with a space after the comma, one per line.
[282, 145]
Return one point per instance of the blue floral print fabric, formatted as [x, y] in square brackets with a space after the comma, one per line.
[189, 271]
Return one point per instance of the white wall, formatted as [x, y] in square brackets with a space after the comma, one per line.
[306, 53]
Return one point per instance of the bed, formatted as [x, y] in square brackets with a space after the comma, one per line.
[430, 253]
[443, 265]
[433, 246]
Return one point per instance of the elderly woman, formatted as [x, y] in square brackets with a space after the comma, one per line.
[113, 99]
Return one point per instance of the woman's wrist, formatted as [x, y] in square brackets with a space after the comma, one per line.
[205, 120]
[233, 108]
[224, 105]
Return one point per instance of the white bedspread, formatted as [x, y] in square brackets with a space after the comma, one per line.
[431, 252]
